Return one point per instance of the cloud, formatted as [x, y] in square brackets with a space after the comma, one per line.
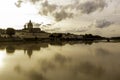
[62, 15]
[102, 23]
[47, 8]
[50, 29]
[37, 24]
[62, 12]
[18, 4]
[58, 12]
[91, 6]
[72, 30]
[34, 1]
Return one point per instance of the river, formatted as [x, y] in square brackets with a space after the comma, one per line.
[60, 61]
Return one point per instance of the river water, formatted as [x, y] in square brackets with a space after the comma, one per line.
[60, 61]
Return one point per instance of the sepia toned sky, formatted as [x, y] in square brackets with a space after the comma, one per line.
[101, 17]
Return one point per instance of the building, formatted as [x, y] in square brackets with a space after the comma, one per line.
[30, 25]
[30, 32]
[29, 28]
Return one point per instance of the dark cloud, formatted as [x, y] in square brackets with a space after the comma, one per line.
[37, 24]
[47, 8]
[102, 23]
[34, 1]
[18, 4]
[62, 12]
[62, 15]
[91, 6]
[58, 12]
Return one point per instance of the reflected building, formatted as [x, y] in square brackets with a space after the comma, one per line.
[29, 52]
[28, 48]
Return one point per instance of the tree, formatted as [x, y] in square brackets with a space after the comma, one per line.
[10, 31]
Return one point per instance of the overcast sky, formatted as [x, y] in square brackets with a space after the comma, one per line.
[100, 17]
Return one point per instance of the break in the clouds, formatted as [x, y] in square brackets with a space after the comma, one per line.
[61, 12]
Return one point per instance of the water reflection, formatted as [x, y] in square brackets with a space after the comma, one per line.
[102, 52]
[90, 69]
[2, 56]
[60, 61]
[27, 47]
[30, 47]
[10, 49]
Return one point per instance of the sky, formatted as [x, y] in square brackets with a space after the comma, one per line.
[98, 17]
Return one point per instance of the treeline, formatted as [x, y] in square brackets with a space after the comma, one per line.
[69, 36]
[115, 38]
[92, 37]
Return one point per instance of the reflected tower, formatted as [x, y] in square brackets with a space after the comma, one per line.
[29, 52]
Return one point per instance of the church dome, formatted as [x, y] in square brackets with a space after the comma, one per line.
[30, 25]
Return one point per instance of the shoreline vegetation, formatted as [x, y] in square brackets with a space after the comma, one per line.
[59, 39]
[31, 46]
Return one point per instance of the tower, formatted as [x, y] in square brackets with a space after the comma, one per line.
[30, 25]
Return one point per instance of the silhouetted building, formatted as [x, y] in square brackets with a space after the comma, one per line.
[35, 30]
[30, 25]
[30, 32]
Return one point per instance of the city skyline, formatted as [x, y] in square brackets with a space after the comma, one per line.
[99, 17]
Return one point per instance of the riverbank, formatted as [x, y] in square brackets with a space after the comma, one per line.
[17, 39]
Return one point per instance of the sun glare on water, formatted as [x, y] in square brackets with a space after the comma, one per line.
[2, 56]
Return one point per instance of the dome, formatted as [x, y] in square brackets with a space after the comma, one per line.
[30, 25]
